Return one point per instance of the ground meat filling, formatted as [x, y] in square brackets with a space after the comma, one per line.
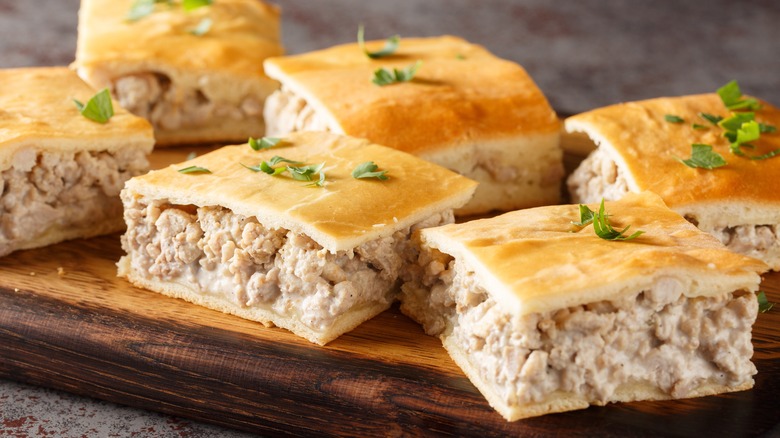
[216, 251]
[598, 176]
[287, 112]
[154, 97]
[659, 336]
[63, 189]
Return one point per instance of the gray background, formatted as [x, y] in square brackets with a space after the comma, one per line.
[582, 54]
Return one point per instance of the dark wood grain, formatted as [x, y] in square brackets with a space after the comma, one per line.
[67, 322]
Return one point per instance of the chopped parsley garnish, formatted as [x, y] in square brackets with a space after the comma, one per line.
[298, 173]
[263, 143]
[203, 27]
[384, 76]
[98, 108]
[369, 170]
[143, 8]
[731, 96]
[699, 127]
[601, 225]
[763, 303]
[191, 5]
[391, 45]
[703, 157]
[671, 118]
[194, 169]
[740, 129]
[711, 118]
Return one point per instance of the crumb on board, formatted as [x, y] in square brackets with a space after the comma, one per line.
[16, 289]
[61, 271]
[32, 274]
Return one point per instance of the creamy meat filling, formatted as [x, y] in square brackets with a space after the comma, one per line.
[215, 251]
[599, 177]
[658, 336]
[44, 190]
[156, 98]
[287, 112]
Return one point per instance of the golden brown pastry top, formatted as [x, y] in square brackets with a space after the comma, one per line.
[343, 214]
[242, 34]
[37, 110]
[461, 94]
[648, 147]
[535, 260]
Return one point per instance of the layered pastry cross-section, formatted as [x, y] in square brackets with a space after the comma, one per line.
[315, 257]
[196, 75]
[464, 109]
[639, 148]
[61, 173]
[544, 316]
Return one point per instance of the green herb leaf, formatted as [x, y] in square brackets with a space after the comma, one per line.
[586, 216]
[191, 5]
[269, 169]
[766, 129]
[141, 8]
[384, 76]
[601, 225]
[194, 169]
[318, 183]
[277, 159]
[304, 173]
[98, 108]
[749, 131]
[460, 57]
[702, 156]
[731, 96]
[711, 118]
[735, 121]
[604, 230]
[263, 143]
[203, 27]
[699, 127]
[391, 45]
[671, 118]
[763, 303]
[369, 170]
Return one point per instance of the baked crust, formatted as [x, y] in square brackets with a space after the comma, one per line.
[511, 255]
[37, 110]
[461, 94]
[340, 216]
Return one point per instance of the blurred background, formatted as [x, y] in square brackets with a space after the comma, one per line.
[582, 54]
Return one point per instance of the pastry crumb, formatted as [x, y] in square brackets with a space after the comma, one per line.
[32, 274]
[61, 271]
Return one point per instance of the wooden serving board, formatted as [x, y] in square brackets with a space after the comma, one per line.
[67, 322]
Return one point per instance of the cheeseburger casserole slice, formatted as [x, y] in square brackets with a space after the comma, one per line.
[60, 172]
[544, 316]
[464, 109]
[241, 235]
[197, 74]
[732, 193]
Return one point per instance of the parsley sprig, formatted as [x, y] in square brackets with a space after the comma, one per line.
[601, 225]
[702, 156]
[98, 108]
[384, 76]
[263, 143]
[391, 45]
[763, 303]
[194, 169]
[299, 173]
[143, 8]
[740, 129]
[369, 170]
